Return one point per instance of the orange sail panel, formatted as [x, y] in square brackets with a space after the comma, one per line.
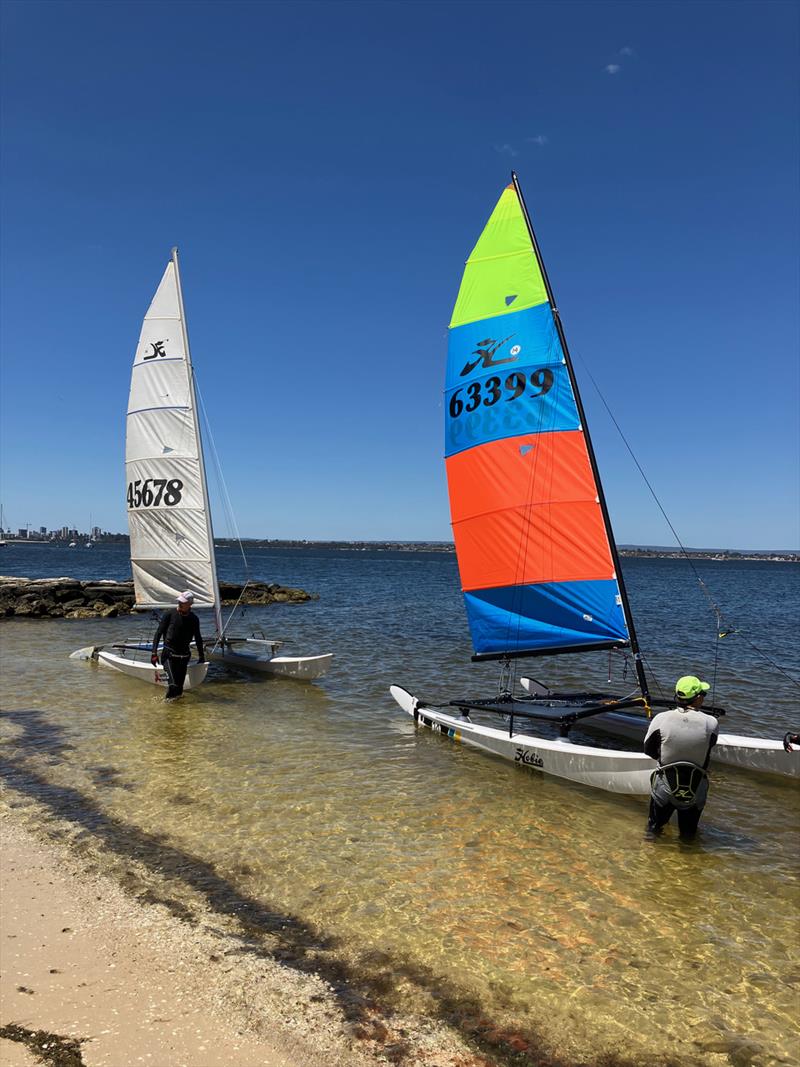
[533, 547]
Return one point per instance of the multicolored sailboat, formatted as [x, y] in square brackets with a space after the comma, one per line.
[538, 562]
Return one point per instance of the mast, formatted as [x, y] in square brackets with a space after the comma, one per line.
[199, 439]
[641, 677]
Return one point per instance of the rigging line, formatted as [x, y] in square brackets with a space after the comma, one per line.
[229, 512]
[712, 603]
[653, 674]
[226, 499]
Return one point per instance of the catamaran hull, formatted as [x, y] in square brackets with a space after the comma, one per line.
[751, 753]
[613, 771]
[736, 750]
[146, 672]
[301, 668]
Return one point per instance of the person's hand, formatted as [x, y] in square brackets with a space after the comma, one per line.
[154, 659]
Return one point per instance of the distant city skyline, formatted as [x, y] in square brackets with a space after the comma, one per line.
[65, 533]
[324, 203]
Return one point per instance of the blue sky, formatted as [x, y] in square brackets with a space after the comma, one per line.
[325, 169]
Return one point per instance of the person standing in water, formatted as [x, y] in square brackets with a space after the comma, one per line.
[680, 740]
[179, 626]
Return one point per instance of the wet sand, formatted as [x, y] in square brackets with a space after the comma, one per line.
[85, 962]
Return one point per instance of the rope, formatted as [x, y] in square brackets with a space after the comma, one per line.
[226, 503]
[712, 603]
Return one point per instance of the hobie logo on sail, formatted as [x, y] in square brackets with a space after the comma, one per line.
[158, 349]
[485, 353]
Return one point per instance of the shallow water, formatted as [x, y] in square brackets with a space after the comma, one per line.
[479, 888]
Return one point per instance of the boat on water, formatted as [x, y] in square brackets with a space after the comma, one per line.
[736, 750]
[169, 515]
[538, 562]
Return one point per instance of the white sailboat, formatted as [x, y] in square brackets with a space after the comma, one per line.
[169, 515]
[538, 562]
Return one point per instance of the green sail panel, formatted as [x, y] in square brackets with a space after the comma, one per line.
[501, 275]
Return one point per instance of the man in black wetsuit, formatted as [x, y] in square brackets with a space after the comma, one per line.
[179, 627]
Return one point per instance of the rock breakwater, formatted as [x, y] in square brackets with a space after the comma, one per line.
[68, 598]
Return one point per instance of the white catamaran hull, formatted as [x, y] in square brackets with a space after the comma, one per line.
[255, 655]
[614, 771]
[146, 672]
[751, 753]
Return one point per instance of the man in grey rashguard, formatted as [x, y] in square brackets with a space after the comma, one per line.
[680, 740]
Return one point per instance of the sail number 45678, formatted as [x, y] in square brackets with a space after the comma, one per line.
[515, 385]
[152, 492]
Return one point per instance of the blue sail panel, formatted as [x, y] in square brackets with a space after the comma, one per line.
[520, 338]
[506, 376]
[527, 400]
[540, 617]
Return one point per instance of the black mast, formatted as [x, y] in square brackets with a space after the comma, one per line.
[593, 461]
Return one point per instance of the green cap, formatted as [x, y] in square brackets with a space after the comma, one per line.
[688, 687]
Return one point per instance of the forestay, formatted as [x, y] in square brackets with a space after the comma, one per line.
[532, 538]
[168, 514]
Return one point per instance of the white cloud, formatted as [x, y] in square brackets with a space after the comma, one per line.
[506, 149]
[539, 139]
[612, 68]
[627, 51]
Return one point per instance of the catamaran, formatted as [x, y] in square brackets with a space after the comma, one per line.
[169, 515]
[536, 553]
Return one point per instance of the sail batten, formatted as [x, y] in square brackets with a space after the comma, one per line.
[168, 519]
[535, 555]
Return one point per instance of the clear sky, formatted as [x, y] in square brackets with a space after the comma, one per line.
[325, 170]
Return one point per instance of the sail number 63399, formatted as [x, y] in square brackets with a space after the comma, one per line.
[152, 492]
[490, 391]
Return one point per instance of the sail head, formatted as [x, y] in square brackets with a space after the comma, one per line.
[534, 551]
[170, 532]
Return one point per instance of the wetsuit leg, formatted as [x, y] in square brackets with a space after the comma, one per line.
[688, 820]
[658, 816]
[176, 667]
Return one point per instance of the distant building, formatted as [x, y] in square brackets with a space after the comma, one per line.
[96, 532]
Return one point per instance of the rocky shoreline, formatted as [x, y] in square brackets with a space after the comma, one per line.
[69, 598]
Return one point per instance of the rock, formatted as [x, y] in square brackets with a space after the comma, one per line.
[67, 597]
[71, 605]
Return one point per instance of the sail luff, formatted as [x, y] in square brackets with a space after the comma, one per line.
[199, 436]
[626, 608]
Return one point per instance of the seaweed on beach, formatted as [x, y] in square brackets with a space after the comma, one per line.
[51, 1049]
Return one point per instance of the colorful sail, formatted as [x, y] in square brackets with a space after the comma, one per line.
[534, 550]
[172, 546]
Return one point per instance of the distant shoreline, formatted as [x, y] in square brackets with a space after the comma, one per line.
[447, 547]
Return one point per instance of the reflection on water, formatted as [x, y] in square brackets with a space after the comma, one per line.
[463, 885]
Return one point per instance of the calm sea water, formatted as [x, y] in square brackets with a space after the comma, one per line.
[461, 885]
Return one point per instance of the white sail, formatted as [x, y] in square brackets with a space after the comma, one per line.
[172, 545]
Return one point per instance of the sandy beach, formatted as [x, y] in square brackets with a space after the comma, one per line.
[95, 977]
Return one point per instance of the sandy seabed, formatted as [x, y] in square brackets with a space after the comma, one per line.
[89, 975]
